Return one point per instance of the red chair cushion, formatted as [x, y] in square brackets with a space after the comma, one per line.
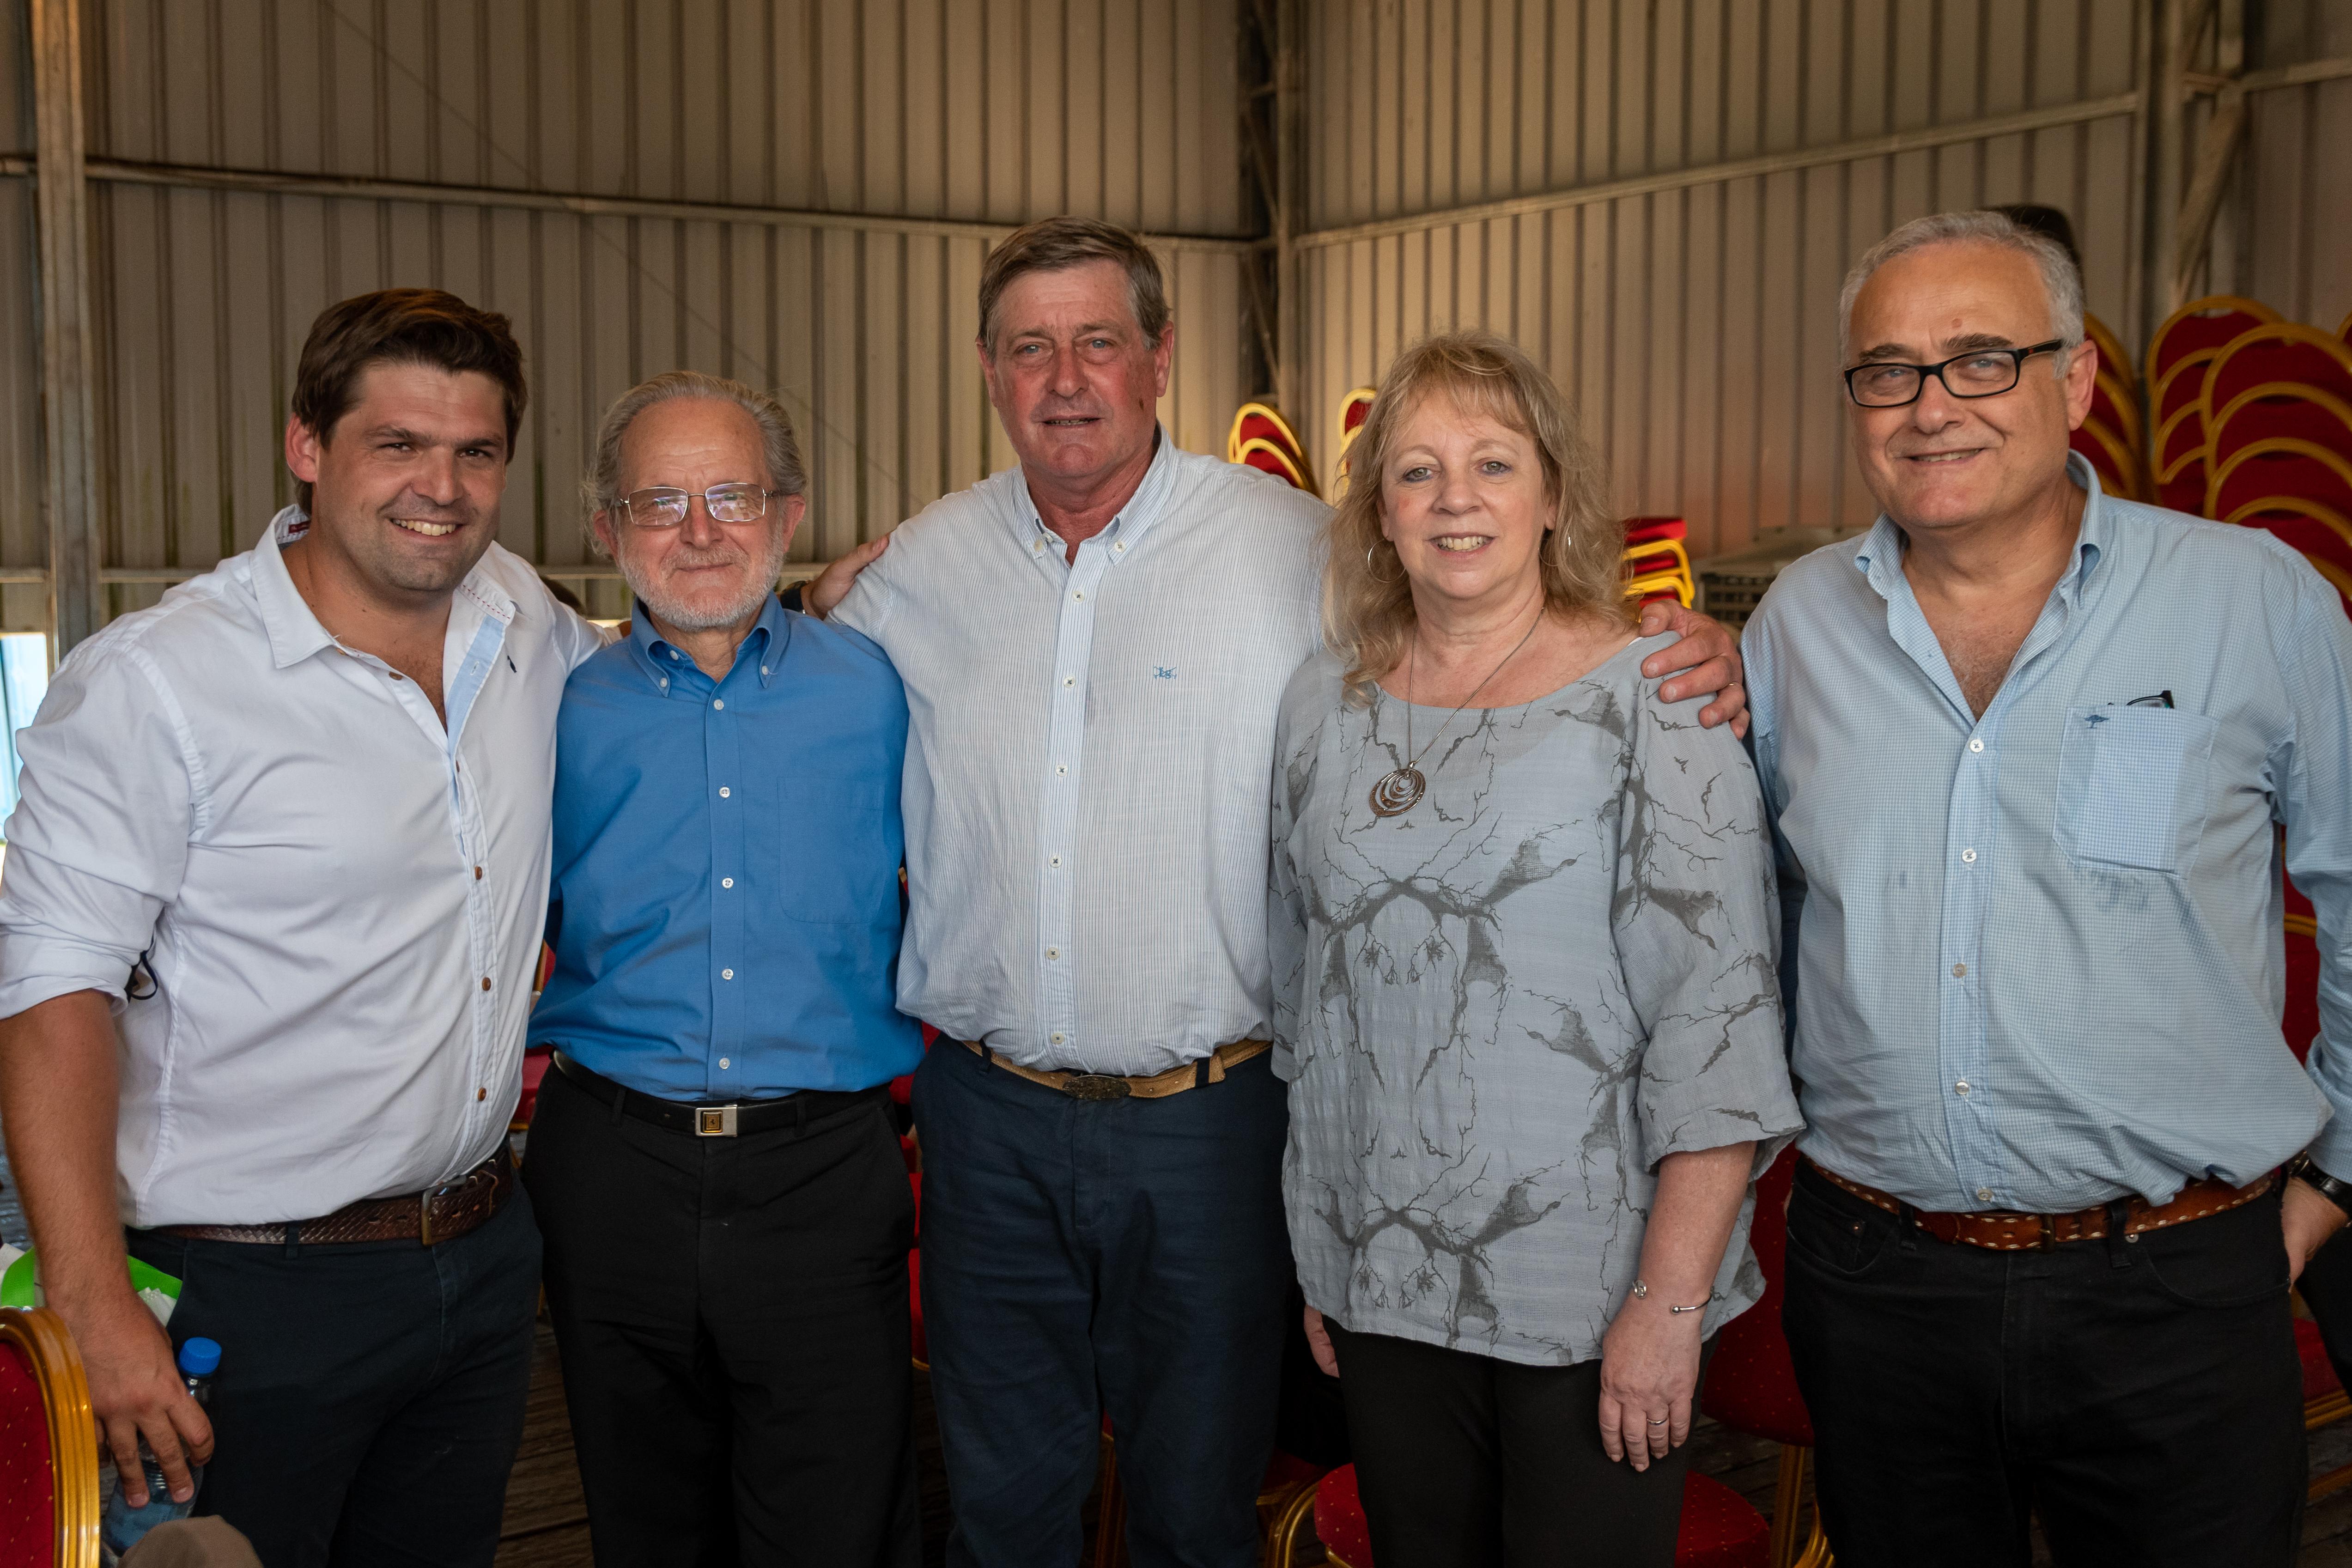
[1284, 1471]
[27, 1491]
[1719, 1528]
[2318, 1371]
[1752, 1385]
[536, 1060]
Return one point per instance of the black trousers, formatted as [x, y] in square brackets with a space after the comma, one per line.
[370, 1398]
[2326, 1288]
[1125, 1256]
[2144, 1397]
[1465, 1461]
[733, 1323]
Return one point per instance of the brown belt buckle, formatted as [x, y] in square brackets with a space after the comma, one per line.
[714, 1122]
[1094, 1086]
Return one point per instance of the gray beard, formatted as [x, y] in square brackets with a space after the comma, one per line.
[769, 565]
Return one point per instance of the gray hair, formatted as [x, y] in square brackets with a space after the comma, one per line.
[2060, 279]
[602, 489]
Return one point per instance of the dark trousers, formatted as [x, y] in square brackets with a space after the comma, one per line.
[2144, 1397]
[370, 1396]
[1079, 1257]
[1465, 1461]
[2326, 1288]
[732, 1318]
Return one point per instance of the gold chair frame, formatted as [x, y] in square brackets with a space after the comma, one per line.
[64, 1384]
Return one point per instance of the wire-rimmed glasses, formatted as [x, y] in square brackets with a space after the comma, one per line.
[1980, 373]
[664, 506]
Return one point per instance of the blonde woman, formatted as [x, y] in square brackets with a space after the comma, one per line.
[1523, 923]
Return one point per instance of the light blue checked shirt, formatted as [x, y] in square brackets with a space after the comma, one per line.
[1087, 757]
[2038, 955]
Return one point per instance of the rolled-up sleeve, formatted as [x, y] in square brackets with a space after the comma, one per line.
[98, 842]
[1696, 921]
[2312, 785]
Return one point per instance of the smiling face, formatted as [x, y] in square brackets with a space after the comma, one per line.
[1462, 498]
[1945, 462]
[701, 575]
[1073, 376]
[405, 486]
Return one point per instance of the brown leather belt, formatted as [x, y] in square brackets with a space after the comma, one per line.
[438, 1213]
[2007, 1230]
[1210, 1068]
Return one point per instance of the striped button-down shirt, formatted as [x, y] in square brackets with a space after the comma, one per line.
[1087, 763]
[2038, 954]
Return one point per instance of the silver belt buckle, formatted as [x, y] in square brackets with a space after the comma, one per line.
[714, 1122]
[1094, 1086]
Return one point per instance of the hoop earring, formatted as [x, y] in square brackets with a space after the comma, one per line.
[1374, 571]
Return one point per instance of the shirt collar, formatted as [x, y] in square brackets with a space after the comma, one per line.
[762, 646]
[295, 632]
[1880, 559]
[1124, 531]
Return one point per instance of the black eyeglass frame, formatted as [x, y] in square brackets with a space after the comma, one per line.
[629, 511]
[2017, 365]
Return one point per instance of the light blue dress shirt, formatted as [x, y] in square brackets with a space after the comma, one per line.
[726, 907]
[1086, 764]
[2038, 955]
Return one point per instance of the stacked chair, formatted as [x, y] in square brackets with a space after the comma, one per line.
[1657, 560]
[2111, 437]
[1354, 409]
[2178, 357]
[1262, 439]
[48, 1446]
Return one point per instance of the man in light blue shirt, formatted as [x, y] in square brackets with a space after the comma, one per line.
[2027, 747]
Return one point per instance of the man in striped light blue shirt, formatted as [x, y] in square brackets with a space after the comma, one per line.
[1095, 645]
[2027, 746]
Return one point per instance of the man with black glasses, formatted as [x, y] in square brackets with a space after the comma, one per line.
[2026, 745]
[713, 1161]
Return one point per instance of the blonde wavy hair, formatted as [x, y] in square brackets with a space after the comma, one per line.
[1368, 616]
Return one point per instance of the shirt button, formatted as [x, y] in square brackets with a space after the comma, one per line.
[723, 1064]
[477, 873]
[1969, 857]
[1959, 972]
[1069, 681]
[729, 974]
[1057, 1039]
[481, 1094]
[726, 881]
[1975, 742]
[1080, 594]
[719, 703]
[1053, 860]
[1061, 767]
[393, 673]
[1120, 546]
[763, 669]
[1053, 953]
[673, 653]
[485, 982]
[665, 683]
[724, 791]
[1961, 1088]
[1984, 1195]
[1036, 544]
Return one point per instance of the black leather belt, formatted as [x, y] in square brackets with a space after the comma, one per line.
[739, 1118]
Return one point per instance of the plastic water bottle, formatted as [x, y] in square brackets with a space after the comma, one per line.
[120, 1525]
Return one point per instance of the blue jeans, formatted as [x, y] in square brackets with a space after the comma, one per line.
[1126, 1257]
[369, 1398]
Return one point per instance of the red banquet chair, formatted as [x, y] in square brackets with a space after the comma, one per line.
[2115, 463]
[2112, 356]
[2205, 324]
[1719, 1530]
[2324, 535]
[1752, 1385]
[2272, 408]
[2274, 351]
[48, 1446]
[1354, 409]
[1259, 428]
[2275, 468]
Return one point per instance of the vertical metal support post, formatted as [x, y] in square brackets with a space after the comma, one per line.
[69, 427]
[1290, 215]
[2164, 114]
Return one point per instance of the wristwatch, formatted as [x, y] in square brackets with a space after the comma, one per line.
[2327, 1186]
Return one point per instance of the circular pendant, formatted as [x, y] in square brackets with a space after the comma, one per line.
[1398, 790]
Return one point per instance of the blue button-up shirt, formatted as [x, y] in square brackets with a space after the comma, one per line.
[726, 905]
[2038, 954]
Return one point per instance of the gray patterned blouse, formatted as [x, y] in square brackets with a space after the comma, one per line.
[1499, 1010]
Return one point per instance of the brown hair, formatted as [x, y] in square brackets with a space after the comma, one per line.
[1051, 243]
[1367, 598]
[401, 326]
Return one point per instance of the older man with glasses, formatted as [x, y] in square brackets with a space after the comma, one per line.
[2026, 746]
[713, 1161]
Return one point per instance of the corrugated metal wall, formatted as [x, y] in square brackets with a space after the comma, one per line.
[1695, 328]
[2292, 244]
[973, 110]
[24, 536]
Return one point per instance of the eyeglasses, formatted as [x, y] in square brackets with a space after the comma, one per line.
[1980, 373]
[664, 507]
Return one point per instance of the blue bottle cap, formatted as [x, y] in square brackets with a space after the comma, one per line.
[200, 1357]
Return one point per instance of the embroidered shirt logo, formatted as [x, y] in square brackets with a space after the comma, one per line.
[1164, 672]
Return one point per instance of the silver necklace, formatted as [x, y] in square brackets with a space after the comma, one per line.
[1401, 788]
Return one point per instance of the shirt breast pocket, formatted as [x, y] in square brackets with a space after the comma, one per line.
[841, 867]
[2132, 786]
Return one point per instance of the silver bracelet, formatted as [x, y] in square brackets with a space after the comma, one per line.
[1641, 1289]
